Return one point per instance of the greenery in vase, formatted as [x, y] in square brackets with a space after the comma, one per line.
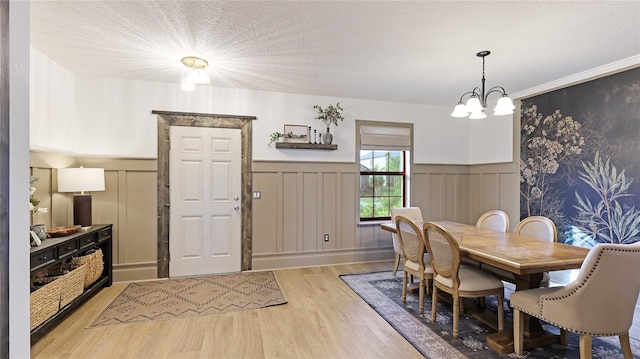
[329, 115]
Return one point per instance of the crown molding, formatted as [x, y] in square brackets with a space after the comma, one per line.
[601, 71]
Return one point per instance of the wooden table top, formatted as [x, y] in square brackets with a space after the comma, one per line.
[515, 253]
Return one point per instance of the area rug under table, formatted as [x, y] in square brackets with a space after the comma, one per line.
[194, 296]
[382, 292]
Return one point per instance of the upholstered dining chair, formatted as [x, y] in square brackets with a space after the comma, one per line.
[538, 227]
[494, 220]
[458, 280]
[596, 303]
[415, 262]
[535, 227]
[414, 214]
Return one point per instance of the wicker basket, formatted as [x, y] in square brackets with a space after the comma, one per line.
[69, 279]
[45, 302]
[72, 285]
[93, 264]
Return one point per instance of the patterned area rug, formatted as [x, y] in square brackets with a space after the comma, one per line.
[188, 297]
[382, 292]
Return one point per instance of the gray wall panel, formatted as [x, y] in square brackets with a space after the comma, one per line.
[265, 226]
[299, 203]
[291, 230]
[349, 212]
[311, 215]
[330, 211]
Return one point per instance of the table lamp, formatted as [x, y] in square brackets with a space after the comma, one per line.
[81, 180]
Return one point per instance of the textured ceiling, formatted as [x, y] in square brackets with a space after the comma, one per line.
[419, 52]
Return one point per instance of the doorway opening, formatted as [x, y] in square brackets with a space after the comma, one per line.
[167, 119]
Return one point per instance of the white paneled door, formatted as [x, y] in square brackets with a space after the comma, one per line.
[205, 189]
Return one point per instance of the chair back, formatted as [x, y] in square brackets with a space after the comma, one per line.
[537, 227]
[494, 220]
[443, 250]
[413, 213]
[410, 240]
[602, 299]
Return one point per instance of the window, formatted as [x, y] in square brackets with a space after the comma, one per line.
[384, 159]
[382, 178]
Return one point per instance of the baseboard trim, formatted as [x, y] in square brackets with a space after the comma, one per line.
[314, 259]
[135, 271]
[148, 270]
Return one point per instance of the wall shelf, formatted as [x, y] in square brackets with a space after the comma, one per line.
[306, 146]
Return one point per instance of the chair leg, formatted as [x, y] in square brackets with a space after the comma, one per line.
[456, 314]
[564, 337]
[585, 347]
[396, 265]
[421, 297]
[404, 287]
[500, 312]
[434, 304]
[518, 336]
[625, 345]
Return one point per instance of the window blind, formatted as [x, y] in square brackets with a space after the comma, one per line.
[385, 137]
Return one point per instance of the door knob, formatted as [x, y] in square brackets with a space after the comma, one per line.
[236, 208]
[236, 198]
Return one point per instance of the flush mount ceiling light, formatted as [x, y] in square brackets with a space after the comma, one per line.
[196, 73]
[476, 104]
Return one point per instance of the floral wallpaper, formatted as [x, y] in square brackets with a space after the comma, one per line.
[580, 159]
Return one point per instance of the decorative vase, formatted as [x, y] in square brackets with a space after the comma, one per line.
[328, 137]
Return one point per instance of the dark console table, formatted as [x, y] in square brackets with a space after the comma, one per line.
[56, 250]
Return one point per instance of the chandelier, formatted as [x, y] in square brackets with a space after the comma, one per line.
[476, 104]
[196, 74]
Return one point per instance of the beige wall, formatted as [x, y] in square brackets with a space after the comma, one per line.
[128, 202]
[300, 202]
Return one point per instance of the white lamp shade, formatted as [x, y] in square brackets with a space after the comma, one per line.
[80, 179]
[473, 104]
[460, 111]
[504, 106]
[477, 115]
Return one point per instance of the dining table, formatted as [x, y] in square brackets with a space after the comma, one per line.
[526, 257]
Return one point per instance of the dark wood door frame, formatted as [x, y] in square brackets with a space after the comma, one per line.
[4, 178]
[165, 121]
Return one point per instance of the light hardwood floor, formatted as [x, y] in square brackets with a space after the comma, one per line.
[322, 319]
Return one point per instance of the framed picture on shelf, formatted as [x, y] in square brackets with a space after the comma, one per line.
[296, 133]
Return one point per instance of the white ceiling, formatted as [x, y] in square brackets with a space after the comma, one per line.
[417, 52]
